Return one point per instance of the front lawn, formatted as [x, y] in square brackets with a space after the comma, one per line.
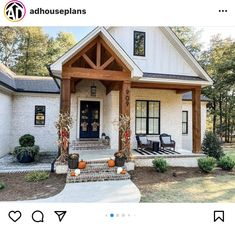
[230, 150]
[184, 185]
[17, 187]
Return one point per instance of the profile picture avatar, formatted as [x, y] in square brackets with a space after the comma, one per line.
[14, 11]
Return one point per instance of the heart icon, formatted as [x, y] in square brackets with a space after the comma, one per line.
[14, 215]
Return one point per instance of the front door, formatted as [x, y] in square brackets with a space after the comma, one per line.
[89, 119]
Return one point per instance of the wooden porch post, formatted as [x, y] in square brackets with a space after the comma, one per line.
[196, 122]
[65, 95]
[124, 102]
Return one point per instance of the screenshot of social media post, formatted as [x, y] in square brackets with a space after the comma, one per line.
[117, 114]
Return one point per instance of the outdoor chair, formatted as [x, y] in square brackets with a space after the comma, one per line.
[143, 142]
[166, 141]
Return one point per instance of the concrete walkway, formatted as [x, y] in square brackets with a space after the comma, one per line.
[121, 191]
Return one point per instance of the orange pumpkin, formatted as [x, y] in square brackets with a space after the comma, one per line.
[123, 171]
[72, 174]
[82, 164]
[111, 163]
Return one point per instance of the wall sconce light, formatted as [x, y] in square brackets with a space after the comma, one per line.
[93, 90]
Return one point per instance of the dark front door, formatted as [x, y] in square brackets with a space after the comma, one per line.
[90, 119]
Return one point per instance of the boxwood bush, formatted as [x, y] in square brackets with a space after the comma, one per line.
[160, 165]
[207, 164]
[21, 151]
[36, 176]
[226, 163]
[211, 146]
[27, 140]
[2, 185]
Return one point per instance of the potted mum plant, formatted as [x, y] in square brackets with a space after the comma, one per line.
[27, 150]
[120, 158]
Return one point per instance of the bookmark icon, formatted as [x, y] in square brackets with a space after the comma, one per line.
[60, 214]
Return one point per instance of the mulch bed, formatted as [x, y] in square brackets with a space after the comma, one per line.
[18, 189]
[148, 176]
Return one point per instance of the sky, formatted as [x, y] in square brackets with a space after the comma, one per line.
[206, 34]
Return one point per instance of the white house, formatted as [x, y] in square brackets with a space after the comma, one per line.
[144, 72]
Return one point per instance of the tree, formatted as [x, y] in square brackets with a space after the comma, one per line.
[10, 38]
[190, 38]
[58, 46]
[32, 52]
[219, 63]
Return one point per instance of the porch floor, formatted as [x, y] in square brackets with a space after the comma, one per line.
[103, 155]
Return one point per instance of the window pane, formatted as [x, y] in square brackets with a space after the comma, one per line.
[153, 126]
[141, 126]
[141, 109]
[184, 128]
[153, 109]
[139, 43]
[184, 116]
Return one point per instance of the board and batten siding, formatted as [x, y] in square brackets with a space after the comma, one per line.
[23, 119]
[160, 55]
[187, 138]
[5, 122]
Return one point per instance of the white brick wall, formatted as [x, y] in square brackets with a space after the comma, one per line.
[5, 122]
[170, 112]
[187, 138]
[23, 119]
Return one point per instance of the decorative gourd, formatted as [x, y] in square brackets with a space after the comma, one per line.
[82, 164]
[111, 163]
[119, 170]
[123, 171]
[77, 172]
[72, 174]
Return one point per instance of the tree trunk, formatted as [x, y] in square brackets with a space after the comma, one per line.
[220, 118]
[214, 117]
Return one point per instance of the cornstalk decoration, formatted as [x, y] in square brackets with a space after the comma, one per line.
[63, 126]
[125, 134]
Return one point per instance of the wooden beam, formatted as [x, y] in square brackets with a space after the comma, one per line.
[196, 116]
[83, 51]
[89, 61]
[83, 73]
[163, 86]
[107, 63]
[98, 54]
[181, 91]
[115, 56]
[65, 95]
[114, 86]
[73, 86]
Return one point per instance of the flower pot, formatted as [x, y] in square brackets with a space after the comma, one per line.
[73, 161]
[119, 162]
[25, 158]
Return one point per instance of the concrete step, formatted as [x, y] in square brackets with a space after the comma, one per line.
[89, 145]
[97, 176]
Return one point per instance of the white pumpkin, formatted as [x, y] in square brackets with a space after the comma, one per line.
[119, 170]
[77, 172]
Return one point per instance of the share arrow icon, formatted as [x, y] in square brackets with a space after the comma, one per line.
[60, 214]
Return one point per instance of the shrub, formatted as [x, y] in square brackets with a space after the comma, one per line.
[207, 164]
[160, 165]
[226, 163]
[2, 185]
[36, 176]
[211, 146]
[27, 140]
[21, 151]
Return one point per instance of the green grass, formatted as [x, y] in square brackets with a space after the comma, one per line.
[230, 151]
[220, 188]
[36, 176]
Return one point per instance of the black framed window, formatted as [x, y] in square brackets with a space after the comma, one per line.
[40, 115]
[147, 117]
[184, 122]
[139, 43]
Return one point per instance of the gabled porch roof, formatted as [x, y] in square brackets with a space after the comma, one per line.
[56, 67]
